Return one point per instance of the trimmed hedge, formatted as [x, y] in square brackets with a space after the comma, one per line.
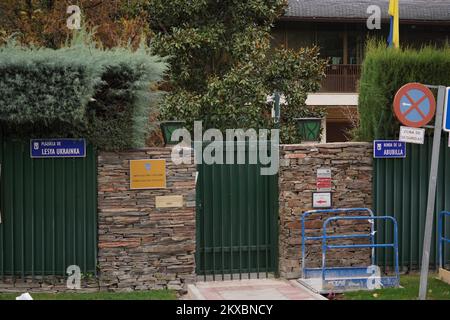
[79, 91]
[383, 73]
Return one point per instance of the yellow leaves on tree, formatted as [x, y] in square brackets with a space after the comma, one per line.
[44, 22]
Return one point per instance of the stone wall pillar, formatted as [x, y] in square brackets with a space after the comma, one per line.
[351, 165]
[142, 247]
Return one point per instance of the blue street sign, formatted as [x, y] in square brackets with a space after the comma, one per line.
[58, 148]
[389, 149]
[447, 111]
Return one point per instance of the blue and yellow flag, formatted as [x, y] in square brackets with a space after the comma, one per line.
[394, 13]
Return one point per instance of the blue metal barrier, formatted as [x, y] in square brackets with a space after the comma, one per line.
[346, 278]
[305, 238]
[442, 239]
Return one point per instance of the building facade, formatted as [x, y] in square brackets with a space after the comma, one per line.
[339, 28]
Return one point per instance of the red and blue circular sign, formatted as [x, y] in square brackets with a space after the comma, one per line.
[414, 105]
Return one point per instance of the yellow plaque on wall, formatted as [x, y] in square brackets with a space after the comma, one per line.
[147, 174]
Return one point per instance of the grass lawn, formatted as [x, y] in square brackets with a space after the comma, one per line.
[138, 295]
[437, 290]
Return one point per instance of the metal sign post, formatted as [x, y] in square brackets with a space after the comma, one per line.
[277, 110]
[447, 112]
[432, 193]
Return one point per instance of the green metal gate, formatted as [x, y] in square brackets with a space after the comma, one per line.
[48, 212]
[400, 190]
[237, 221]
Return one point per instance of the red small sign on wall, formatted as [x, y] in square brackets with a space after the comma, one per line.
[323, 182]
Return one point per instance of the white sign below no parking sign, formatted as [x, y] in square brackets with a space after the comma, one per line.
[412, 135]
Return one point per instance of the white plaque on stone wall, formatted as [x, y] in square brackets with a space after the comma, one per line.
[169, 202]
[322, 200]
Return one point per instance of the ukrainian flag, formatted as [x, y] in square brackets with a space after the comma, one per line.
[394, 13]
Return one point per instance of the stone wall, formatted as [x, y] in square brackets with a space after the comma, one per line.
[140, 246]
[351, 165]
[45, 284]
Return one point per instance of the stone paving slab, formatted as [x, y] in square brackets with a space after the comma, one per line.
[253, 289]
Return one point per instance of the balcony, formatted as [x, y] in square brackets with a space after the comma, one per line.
[341, 78]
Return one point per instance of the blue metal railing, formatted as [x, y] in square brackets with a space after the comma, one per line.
[305, 238]
[325, 247]
[372, 245]
[442, 239]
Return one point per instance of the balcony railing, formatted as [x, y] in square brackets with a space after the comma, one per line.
[341, 78]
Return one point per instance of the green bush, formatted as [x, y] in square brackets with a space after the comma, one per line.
[384, 72]
[79, 91]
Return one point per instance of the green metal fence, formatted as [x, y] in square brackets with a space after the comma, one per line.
[237, 221]
[48, 210]
[400, 190]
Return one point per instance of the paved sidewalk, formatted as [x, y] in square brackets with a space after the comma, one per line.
[254, 289]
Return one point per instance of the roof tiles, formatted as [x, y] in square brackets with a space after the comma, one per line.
[427, 10]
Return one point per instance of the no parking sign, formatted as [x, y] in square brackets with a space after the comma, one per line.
[414, 105]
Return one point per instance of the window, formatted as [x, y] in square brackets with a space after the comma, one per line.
[278, 38]
[339, 131]
[355, 47]
[331, 45]
[298, 38]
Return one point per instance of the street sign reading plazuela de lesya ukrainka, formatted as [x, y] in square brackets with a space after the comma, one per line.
[58, 148]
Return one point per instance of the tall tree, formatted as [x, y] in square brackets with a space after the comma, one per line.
[222, 67]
